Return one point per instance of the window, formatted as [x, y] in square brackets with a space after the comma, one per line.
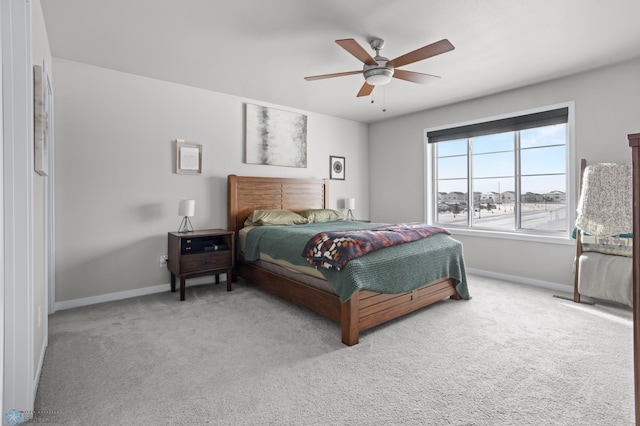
[508, 176]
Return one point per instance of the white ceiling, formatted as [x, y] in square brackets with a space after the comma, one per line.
[262, 49]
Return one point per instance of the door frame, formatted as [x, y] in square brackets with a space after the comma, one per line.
[17, 206]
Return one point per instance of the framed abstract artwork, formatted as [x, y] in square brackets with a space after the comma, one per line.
[275, 137]
[336, 167]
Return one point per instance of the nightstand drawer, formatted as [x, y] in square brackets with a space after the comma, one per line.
[205, 261]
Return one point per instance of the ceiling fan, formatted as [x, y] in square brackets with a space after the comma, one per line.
[378, 71]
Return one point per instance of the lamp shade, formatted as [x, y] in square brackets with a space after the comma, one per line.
[186, 208]
[351, 203]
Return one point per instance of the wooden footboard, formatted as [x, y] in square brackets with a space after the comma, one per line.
[364, 310]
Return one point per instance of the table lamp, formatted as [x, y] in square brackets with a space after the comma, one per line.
[350, 204]
[186, 209]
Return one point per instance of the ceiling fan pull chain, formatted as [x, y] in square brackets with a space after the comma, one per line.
[384, 98]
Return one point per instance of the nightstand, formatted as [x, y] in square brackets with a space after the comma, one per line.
[200, 253]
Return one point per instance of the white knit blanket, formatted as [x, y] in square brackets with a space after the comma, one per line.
[605, 205]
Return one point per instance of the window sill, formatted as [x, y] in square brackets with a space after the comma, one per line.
[520, 236]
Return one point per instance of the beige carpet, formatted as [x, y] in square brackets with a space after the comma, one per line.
[513, 355]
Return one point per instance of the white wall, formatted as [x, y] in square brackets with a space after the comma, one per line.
[606, 102]
[116, 190]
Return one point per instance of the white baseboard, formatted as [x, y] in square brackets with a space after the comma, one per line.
[86, 301]
[36, 380]
[521, 280]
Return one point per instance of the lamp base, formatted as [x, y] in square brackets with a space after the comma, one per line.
[350, 215]
[185, 225]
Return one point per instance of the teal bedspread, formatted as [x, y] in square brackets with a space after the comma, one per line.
[396, 269]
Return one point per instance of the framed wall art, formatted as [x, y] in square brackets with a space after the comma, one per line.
[275, 137]
[336, 167]
[188, 157]
[42, 109]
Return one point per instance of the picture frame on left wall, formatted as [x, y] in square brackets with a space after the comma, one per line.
[42, 118]
[188, 157]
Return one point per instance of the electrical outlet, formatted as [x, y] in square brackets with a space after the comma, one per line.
[163, 260]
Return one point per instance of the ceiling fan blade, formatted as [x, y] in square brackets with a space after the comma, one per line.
[428, 51]
[415, 77]
[352, 46]
[365, 90]
[338, 74]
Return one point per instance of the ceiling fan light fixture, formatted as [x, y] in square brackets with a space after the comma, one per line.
[378, 76]
[378, 70]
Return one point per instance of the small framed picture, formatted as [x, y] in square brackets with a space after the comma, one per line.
[188, 157]
[336, 167]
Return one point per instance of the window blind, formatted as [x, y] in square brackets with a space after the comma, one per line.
[511, 124]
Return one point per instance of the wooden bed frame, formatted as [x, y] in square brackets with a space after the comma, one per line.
[365, 309]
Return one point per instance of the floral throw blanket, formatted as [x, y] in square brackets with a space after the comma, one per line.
[334, 249]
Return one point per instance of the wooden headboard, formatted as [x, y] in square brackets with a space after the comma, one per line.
[248, 193]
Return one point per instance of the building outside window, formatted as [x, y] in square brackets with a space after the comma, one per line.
[511, 175]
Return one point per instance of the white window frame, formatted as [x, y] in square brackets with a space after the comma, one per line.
[523, 235]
